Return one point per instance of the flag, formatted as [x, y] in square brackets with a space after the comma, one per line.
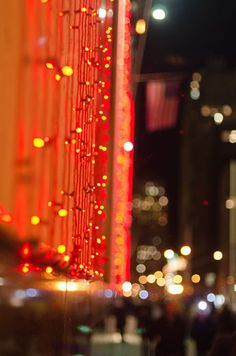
[162, 103]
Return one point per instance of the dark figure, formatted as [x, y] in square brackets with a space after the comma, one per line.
[226, 321]
[170, 332]
[203, 331]
[224, 345]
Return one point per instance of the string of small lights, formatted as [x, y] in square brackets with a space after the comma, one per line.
[64, 131]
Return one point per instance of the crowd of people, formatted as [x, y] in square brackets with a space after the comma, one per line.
[170, 327]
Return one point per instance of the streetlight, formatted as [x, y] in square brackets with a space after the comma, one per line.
[159, 13]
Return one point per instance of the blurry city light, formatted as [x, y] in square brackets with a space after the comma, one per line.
[202, 305]
[151, 189]
[20, 294]
[230, 280]
[163, 201]
[84, 329]
[195, 94]
[67, 71]
[169, 279]
[31, 292]
[169, 254]
[185, 250]
[229, 204]
[35, 220]
[227, 110]
[158, 274]
[136, 288]
[161, 190]
[2, 281]
[219, 301]
[218, 118]
[38, 142]
[211, 297]
[156, 207]
[146, 252]
[140, 26]
[217, 255]
[62, 213]
[25, 250]
[150, 200]
[205, 111]
[210, 279]
[151, 278]
[6, 218]
[136, 203]
[126, 287]
[161, 282]
[194, 84]
[61, 248]
[142, 279]
[128, 146]
[177, 263]
[143, 294]
[232, 136]
[57, 77]
[49, 65]
[156, 256]
[16, 302]
[67, 286]
[175, 289]
[66, 258]
[162, 220]
[159, 14]
[102, 13]
[195, 278]
[140, 268]
[178, 279]
[49, 270]
[197, 76]
[108, 293]
[156, 240]
[127, 294]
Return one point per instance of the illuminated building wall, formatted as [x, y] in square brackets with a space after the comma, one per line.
[122, 153]
[62, 136]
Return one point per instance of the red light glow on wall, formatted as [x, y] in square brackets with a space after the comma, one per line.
[123, 153]
[63, 129]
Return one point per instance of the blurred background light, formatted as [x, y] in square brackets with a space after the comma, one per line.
[159, 13]
[218, 118]
[217, 255]
[143, 294]
[185, 250]
[169, 254]
[202, 305]
[140, 26]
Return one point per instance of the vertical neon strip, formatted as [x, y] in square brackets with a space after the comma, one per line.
[122, 159]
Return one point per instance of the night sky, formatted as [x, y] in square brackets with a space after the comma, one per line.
[193, 29]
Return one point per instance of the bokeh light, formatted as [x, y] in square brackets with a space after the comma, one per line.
[218, 118]
[143, 294]
[159, 14]
[140, 26]
[185, 250]
[169, 254]
[151, 278]
[161, 282]
[217, 255]
[195, 278]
